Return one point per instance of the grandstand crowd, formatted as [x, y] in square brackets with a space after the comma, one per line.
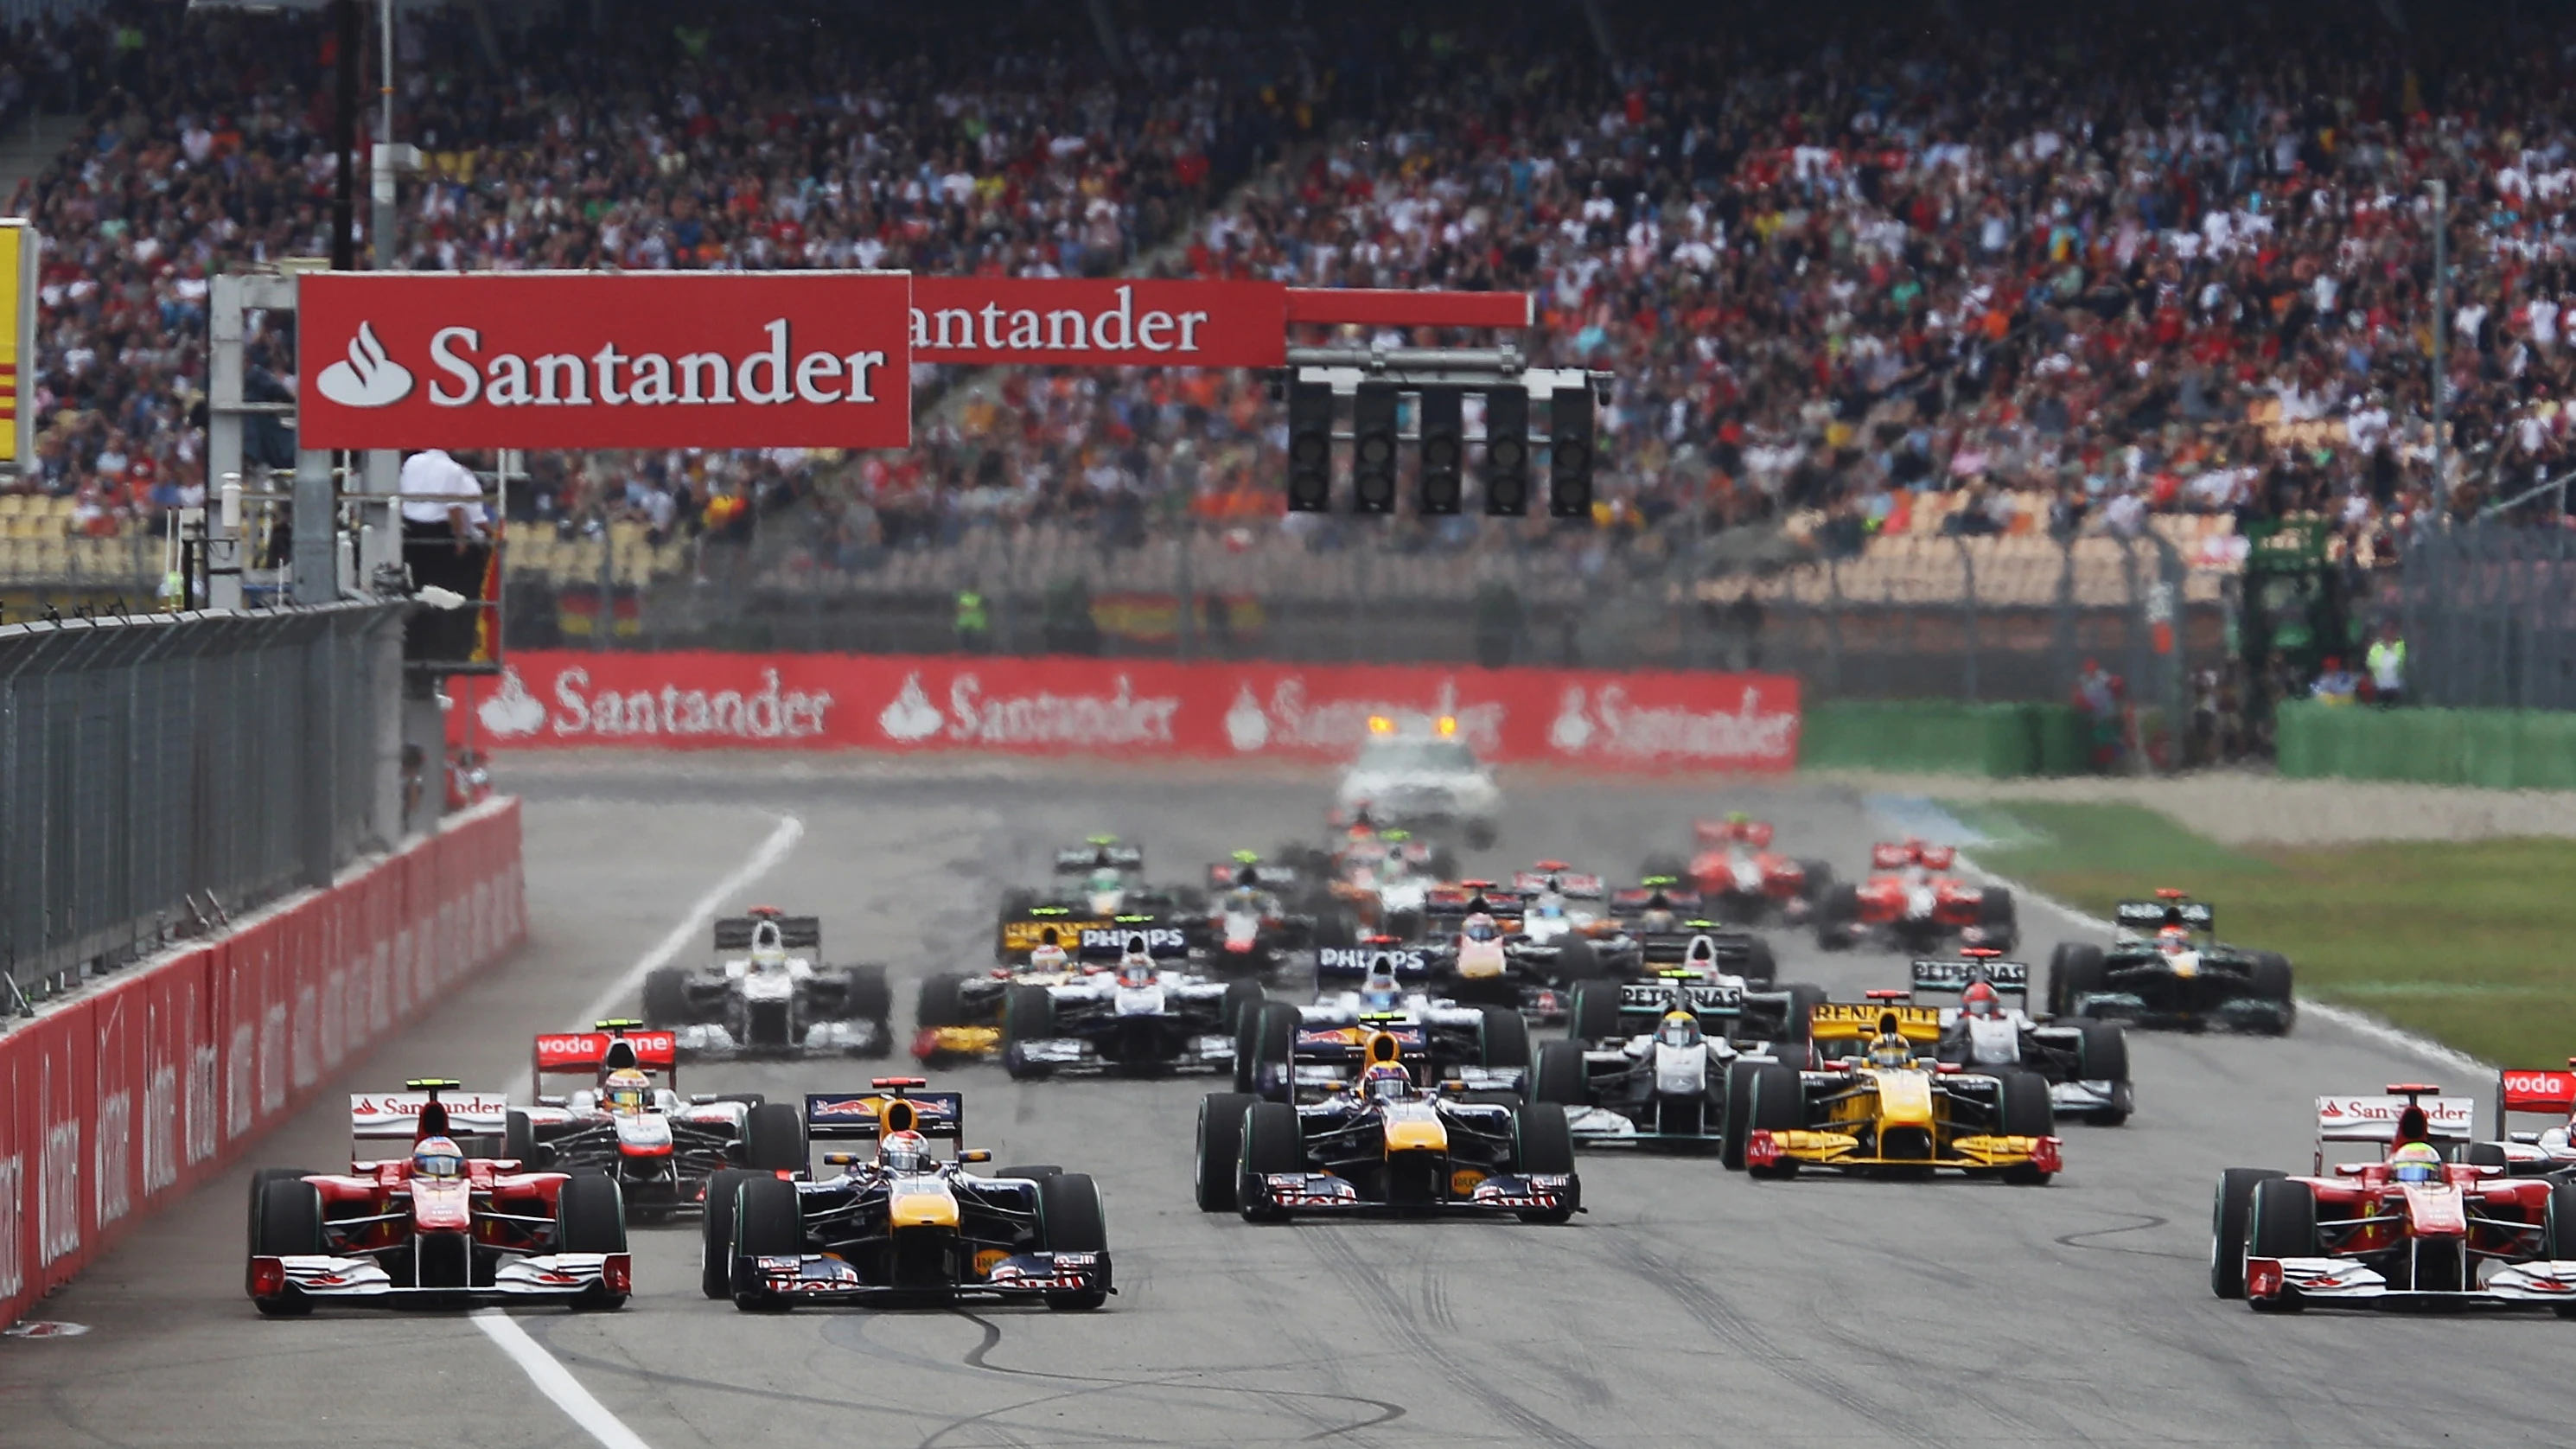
[1986, 268]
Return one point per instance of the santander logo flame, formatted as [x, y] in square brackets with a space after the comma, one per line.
[369, 378]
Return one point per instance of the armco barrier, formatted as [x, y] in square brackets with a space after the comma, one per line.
[2498, 748]
[1596, 719]
[116, 1102]
[2005, 741]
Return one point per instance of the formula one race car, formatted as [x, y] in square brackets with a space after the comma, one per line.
[1289, 1053]
[2412, 1229]
[1147, 1014]
[1098, 885]
[1911, 901]
[2086, 1062]
[1651, 1061]
[2529, 1092]
[1379, 880]
[1728, 978]
[2167, 969]
[1558, 903]
[1476, 951]
[1384, 1145]
[434, 1227]
[1743, 880]
[660, 1146]
[899, 1224]
[1251, 929]
[1880, 1106]
[767, 996]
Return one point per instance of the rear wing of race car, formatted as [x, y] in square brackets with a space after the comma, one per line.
[1563, 882]
[892, 1106]
[1641, 898]
[2407, 1110]
[1410, 965]
[1954, 977]
[2156, 915]
[1755, 833]
[2535, 1091]
[1049, 925]
[1225, 875]
[1892, 855]
[1858, 1021]
[613, 1046]
[1662, 948]
[796, 933]
[427, 1109]
[1469, 897]
[1129, 859]
[1703, 999]
[1162, 942]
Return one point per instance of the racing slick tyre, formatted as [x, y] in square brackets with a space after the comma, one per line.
[590, 1217]
[768, 1222]
[1594, 1014]
[773, 1138]
[1995, 913]
[1577, 960]
[1242, 999]
[519, 1142]
[1028, 1014]
[1503, 1039]
[2102, 1055]
[666, 998]
[1777, 1103]
[260, 1178]
[867, 996]
[2270, 981]
[1837, 912]
[1544, 1144]
[1273, 1141]
[1263, 1041]
[1738, 1118]
[2026, 1111]
[1404, 925]
[1333, 929]
[287, 1222]
[1760, 968]
[1817, 877]
[2074, 969]
[1070, 1221]
[1220, 1150]
[715, 1245]
[940, 1003]
[1663, 865]
[2230, 1209]
[1804, 998]
[2558, 1230]
[2283, 1225]
[1559, 1075]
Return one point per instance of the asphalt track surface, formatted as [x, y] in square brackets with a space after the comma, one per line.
[1687, 1307]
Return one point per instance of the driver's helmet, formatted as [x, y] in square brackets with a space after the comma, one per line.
[1394, 866]
[1378, 991]
[1387, 1082]
[2415, 1162]
[1482, 928]
[1678, 1029]
[1136, 968]
[1106, 878]
[438, 1159]
[1548, 909]
[905, 1151]
[2173, 940]
[627, 1090]
[1655, 918]
[1891, 1050]
[1981, 999]
[1047, 956]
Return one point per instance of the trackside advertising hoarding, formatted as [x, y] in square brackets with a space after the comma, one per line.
[604, 359]
[1593, 719]
[1128, 322]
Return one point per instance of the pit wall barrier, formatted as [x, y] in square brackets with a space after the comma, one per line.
[2503, 749]
[115, 1103]
[1590, 719]
[2003, 741]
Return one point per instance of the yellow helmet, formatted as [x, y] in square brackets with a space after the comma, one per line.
[1891, 1050]
[627, 1090]
[2415, 1162]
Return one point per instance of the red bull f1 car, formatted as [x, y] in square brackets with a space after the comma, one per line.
[1303, 1053]
[434, 1227]
[660, 1146]
[2410, 1228]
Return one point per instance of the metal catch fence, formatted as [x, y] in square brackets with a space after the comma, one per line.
[2489, 614]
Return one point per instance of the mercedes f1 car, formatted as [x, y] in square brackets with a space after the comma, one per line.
[1384, 1145]
[1147, 1015]
[1291, 1053]
[2086, 1062]
[2166, 968]
[1911, 901]
[434, 1228]
[901, 1224]
[1743, 880]
[2411, 1229]
[1880, 1104]
[767, 995]
[1651, 1062]
[659, 1145]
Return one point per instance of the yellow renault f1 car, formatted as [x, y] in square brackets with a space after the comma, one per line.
[1877, 1102]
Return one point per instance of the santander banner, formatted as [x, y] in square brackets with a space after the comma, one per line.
[1106, 323]
[604, 359]
[1591, 719]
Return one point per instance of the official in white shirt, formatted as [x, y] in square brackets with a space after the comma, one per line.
[446, 533]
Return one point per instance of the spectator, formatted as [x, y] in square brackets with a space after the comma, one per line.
[2386, 661]
[2335, 684]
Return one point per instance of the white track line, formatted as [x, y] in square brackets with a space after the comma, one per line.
[551, 1377]
[556, 1382]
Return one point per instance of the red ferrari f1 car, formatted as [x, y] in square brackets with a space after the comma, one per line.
[1912, 902]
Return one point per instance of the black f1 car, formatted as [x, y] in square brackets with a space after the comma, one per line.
[901, 1224]
[767, 995]
[2166, 968]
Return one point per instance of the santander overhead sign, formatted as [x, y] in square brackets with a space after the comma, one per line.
[604, 360]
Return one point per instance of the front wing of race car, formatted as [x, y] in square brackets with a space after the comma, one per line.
[853, 1038]
[2295, 1282]
[2086, 1098]
[828, 1278]
[1325, 1193]
[564, 1277]
[1610, 1124]
[1765, 1148]
[1210, 1051]
[950, 1043]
